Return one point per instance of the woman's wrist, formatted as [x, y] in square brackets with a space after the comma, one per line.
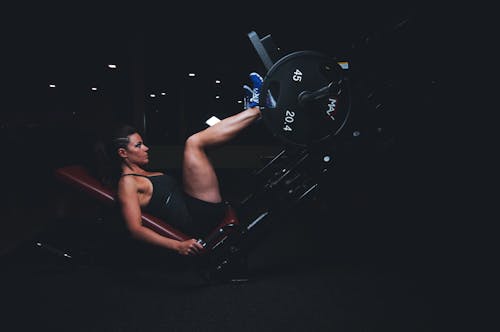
[176, 246]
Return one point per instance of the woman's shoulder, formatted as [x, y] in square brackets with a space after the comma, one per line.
[127, 183]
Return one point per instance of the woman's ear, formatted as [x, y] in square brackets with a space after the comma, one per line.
[122, 152]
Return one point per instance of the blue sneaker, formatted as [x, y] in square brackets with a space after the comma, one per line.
[257, 81]
[252, 95]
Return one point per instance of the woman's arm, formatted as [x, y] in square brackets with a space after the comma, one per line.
[131, 212]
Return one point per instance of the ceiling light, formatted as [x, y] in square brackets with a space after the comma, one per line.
[112, 66]
[52, 85]
[94, 89]
[217, 81]
[152, 95]
[191, 75]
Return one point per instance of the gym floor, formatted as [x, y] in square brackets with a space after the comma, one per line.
[356, 258]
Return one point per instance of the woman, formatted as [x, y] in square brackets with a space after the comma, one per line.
[195, 206]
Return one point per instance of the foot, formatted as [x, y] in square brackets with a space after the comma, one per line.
[252, 95]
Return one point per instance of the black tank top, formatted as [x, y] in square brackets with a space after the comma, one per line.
[168, 202]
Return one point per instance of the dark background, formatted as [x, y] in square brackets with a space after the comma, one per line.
[369, 253]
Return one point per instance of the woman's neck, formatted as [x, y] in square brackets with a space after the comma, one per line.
[127, 169]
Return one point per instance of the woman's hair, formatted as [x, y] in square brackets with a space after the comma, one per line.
[107, 161]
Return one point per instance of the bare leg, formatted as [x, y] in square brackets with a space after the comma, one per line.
[199, 177]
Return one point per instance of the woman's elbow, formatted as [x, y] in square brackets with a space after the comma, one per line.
[135, 231]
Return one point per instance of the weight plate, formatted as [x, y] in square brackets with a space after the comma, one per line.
[312, 98]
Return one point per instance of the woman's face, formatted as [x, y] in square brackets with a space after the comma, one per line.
[137, 151]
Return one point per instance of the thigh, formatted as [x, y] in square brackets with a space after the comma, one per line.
[199, 176]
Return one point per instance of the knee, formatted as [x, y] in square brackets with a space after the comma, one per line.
[194, 141]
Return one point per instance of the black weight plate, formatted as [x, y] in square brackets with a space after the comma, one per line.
[305, 123]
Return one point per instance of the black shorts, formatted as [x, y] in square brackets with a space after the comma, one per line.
[205, 215]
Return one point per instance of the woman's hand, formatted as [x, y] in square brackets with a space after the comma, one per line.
[189, 247]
